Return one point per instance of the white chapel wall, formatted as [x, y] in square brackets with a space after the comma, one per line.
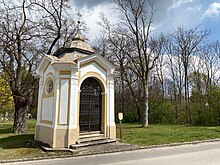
[47, 101]
[47, 108]
[64, 101]
[93, 68]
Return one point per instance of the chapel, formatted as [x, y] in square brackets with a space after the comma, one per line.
[76, 95]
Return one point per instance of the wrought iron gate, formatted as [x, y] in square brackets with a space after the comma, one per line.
[90, 106]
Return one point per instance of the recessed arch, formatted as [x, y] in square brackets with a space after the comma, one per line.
[91, 106]
[96, 76]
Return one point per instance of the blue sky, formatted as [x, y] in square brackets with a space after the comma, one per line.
[191, 13]
[170, 14]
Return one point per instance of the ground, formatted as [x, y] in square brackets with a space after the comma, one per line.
[191, 154]
[134, 137]
[165, 134]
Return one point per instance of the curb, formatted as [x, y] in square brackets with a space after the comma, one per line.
[110, 151]
[181, 143]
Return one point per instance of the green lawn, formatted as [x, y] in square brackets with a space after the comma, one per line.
[16, 146]
[164, 134]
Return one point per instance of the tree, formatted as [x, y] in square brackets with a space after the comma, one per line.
[57, 25]
[135, 27]
[17, 60]
[206, 90]
[175, 74]
[25, 33]
[118, 46]
[186, 45]
[210, 54]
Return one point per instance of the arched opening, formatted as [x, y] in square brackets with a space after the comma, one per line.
[90, 113]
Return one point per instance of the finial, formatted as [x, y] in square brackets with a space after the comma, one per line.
[78, 35]
[78, 40]
[79, 16]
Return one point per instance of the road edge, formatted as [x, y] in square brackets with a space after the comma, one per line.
[110, 151]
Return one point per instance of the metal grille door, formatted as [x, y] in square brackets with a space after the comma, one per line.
[90, 106]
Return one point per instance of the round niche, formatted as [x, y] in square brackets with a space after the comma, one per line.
[49, 86]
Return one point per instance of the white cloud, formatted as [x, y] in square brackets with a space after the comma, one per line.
[213, 10]
[182, 12]
[179, 3]
[92, 17]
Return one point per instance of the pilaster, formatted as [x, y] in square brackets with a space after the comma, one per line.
[73, 111]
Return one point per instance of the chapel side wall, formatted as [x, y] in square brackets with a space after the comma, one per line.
[44, 127]
[62, 110]
[73, 130]
[37, 131]
[65, 128]
[45, 134]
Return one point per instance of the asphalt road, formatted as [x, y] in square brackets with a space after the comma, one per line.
[197, 154]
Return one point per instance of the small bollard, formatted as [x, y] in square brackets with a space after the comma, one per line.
[120, 117]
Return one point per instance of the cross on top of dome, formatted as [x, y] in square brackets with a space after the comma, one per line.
[78, 44]
[78, 35]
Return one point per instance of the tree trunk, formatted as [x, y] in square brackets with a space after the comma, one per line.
[175, 106]
[20, 118]
[139, 114]
[146, 108]
[5, 116]
[123, 93]
[53, 44]
[186, 86]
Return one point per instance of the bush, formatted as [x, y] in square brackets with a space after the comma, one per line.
[160, 111]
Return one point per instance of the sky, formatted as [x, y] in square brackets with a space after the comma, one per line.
[169, 15]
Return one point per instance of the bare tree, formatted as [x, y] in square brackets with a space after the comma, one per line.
[186, 45]
[26, 32]
[17, 59]
[210, 54]
[57, 25]
[137, 18]
[175, 74]
[159, 72]
[115, 45]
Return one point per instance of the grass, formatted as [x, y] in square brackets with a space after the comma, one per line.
[17, 147]
[14, 146]
[165, 134]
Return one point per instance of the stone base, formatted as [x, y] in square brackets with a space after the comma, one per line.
[56, 138]
[111, 132]
[44, 134]
[63, 137]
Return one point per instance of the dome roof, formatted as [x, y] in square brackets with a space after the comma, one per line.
[79, 42]
[78, 47]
